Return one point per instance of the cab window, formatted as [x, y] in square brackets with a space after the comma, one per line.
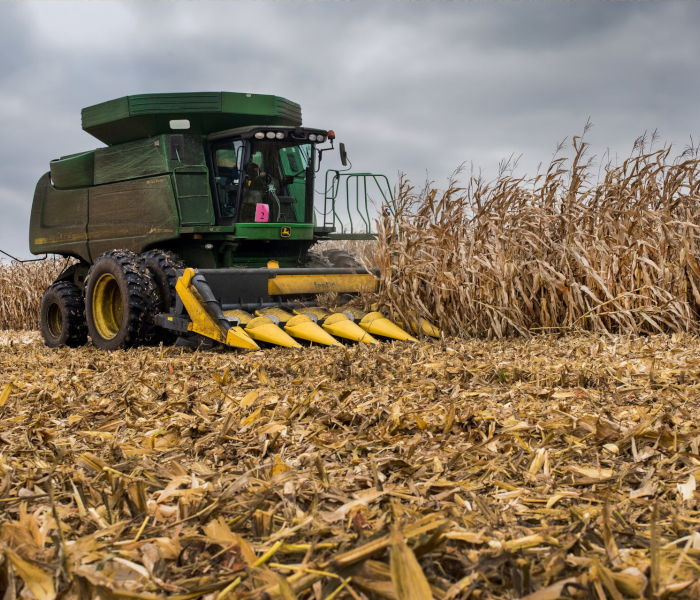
[275, 186]
[227, 164]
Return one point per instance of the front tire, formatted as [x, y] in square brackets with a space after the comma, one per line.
[62, 316]
[342, 258]
[315, 260]
[119, 302]
[162, 267]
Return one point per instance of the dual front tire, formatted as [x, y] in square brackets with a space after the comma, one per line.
[123, 293]
[119, 301]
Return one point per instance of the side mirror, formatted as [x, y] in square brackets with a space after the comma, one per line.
[343, 155]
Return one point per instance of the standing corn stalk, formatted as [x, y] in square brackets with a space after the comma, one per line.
[562, 251]
[21, 288]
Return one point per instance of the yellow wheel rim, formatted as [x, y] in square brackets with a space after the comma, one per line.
[107, 307]
[54, 320]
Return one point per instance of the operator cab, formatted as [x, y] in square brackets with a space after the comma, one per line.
[264, 174]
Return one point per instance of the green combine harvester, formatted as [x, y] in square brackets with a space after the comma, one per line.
[196, 224]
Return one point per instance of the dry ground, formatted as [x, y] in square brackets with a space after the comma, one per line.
[556, 467]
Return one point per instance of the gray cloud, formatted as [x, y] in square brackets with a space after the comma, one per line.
[416, 87]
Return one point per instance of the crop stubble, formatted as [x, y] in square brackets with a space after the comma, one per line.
[462, 469]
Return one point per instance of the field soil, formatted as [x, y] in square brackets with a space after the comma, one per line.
[541, 468]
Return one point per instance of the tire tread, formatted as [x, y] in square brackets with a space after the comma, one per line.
[139, 304]
[74, 318]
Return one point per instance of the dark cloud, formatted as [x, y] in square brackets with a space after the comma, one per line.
[417, 87]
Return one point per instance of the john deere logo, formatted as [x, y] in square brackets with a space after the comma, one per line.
[286, 231]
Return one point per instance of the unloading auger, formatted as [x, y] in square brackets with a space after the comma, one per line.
[196, 223]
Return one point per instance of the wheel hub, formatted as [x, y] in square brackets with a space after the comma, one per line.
[54, 320]
[107, 306]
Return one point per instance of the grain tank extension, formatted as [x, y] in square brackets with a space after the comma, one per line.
[196, 223]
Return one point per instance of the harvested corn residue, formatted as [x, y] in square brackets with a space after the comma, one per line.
[541, 468]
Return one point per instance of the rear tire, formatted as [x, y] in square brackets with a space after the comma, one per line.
[162, 267]
[119, 302]
[62, 316]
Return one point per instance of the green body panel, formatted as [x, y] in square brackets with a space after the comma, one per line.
[273, 231]
[141, 116]
[58, 221]
[130, 161]
[72, 172]
[192, 187]
[135, 215]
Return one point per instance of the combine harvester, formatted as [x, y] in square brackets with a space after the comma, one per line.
[196, 222]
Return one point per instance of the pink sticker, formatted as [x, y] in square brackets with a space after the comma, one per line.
[262, 213]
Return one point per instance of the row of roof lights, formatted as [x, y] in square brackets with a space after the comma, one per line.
[271, 135]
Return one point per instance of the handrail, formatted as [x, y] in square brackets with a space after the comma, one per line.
[331, 218]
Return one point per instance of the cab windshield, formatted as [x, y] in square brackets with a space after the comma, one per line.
[269, 181]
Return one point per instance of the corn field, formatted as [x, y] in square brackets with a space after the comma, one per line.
[21, 288]
[610, 249]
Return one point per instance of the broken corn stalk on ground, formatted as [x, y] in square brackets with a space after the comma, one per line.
[555, 467]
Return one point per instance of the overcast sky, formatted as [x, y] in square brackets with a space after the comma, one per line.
[413, 87]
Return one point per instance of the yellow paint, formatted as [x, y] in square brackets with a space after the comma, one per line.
[338, 325]
[426, 327]
[243, 316]
[316, 311]
[275, 311]
[238, 338]
[273, 264]
[61, 238]
[378, 324]
[54, 320]
[263, 329]
[314, 284]
[107, 307]
[303, 328]
[203, 323]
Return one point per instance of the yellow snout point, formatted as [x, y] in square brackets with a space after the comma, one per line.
[263, 329]
[378, 324]
[302, 327]
[339, 325]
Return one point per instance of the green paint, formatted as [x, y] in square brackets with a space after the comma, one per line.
[272, 231]
[135, 117]
[193, 191]
[75, 171]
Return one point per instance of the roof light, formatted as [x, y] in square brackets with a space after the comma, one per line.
[320, 139]
[312, 137]
[331, 134]
[259, 135]
[270, 135]
[279, 135]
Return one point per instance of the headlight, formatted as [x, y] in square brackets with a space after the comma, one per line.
[312, 137]
[259, 135]
[320, 139]
[279, 135]
[270, 135]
